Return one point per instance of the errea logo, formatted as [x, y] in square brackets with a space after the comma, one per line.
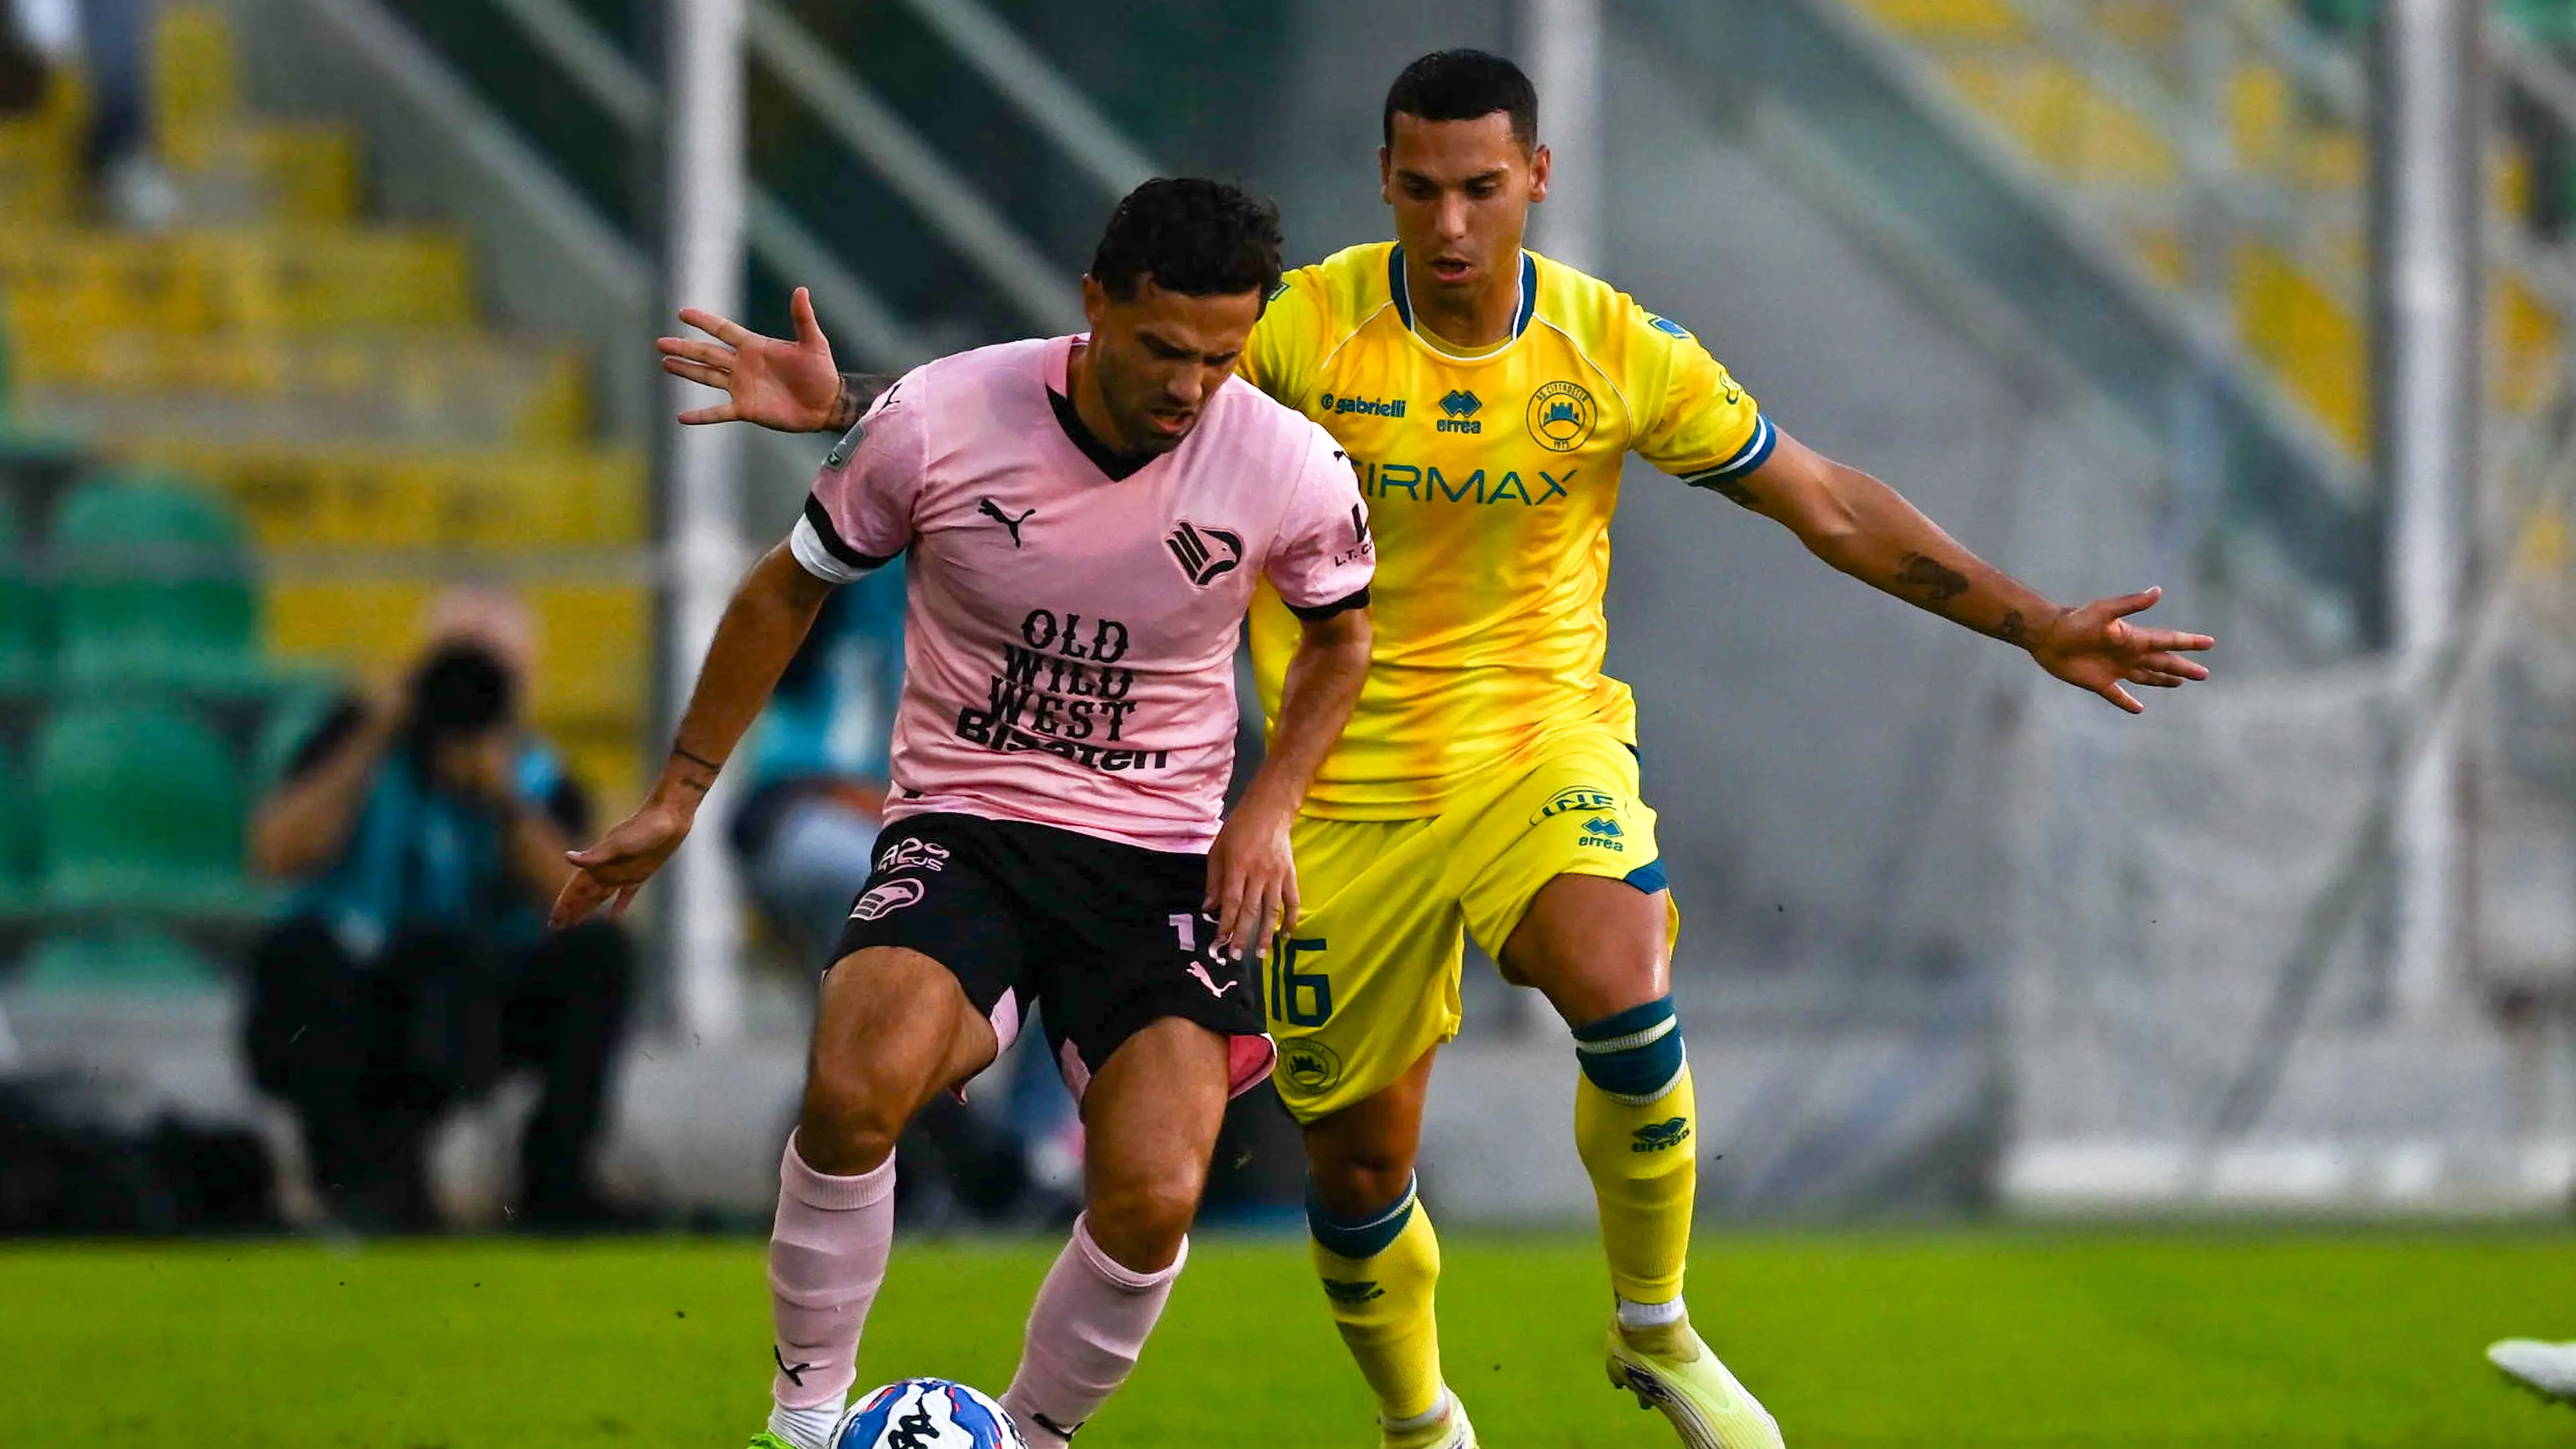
[1458, 412]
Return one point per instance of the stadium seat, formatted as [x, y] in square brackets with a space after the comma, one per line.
[17, 840]
[22, 609]
[126, 957]
[138, 806]
[156, 585]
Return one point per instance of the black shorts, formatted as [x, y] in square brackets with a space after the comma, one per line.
[1107, 938]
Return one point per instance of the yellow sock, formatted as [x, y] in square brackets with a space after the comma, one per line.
[1641, 1153]
[1381, 1295]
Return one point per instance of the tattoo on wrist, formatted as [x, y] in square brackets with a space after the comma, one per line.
[858, 391]
[2012, 630]
[712, 767]
[1939, 582]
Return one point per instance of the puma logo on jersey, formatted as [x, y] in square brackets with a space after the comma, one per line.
[1201, 972]
[1204, 553]
[993, 511]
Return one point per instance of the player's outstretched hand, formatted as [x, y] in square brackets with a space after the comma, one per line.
[617, 867]
[789, 386]
[2095, 647]
[1252, 880]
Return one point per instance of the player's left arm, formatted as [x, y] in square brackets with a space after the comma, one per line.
[1866, 529]
[1321, 561]
[1252, 877]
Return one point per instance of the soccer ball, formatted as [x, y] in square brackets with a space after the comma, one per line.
[927, 1414]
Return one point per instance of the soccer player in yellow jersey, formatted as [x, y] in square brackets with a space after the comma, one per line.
[1488, 781]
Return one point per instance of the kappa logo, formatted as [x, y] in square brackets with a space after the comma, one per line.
[1579, 798]
[1561, 416]
[1661, 1136]
[1345, 1290]
[1205, 553]
[993, 511]
[1458, 412]
[887, 899]
[913, 853]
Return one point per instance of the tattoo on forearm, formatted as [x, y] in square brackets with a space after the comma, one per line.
[858, 390]
[712, 768]
[1737, 492]
[1939, 582]
[2012, 630]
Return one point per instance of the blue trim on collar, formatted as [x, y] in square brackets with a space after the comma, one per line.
[1395, 289]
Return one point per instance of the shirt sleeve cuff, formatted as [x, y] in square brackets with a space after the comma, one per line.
[821, 551]
[1314, 613]
[1755, 452]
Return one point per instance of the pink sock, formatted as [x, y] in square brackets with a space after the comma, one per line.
[827, 1259]
[1089, 1323]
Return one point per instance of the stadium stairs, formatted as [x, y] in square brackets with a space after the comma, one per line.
[2103, 101]
[237, 457]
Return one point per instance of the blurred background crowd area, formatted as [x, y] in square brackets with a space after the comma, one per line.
[324, 356]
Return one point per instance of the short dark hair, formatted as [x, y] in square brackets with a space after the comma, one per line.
[462, 690]
[1193, 236]
[1463, 85]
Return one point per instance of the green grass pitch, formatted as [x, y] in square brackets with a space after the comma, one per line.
[1936, 1341]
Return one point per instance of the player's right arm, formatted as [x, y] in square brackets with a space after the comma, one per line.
[857, 519]
[791, 386]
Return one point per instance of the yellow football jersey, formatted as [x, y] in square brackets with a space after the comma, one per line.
[1491, 480]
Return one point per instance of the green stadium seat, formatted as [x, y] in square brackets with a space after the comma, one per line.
[17, 840]
[125, 957]
[23, 653]
[155, 585]
[138, 806]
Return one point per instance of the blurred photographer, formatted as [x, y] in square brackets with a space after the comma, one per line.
[426, 830]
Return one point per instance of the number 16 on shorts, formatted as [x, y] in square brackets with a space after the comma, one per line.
[1299, 998]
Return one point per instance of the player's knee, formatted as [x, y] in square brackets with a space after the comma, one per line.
[1635, 1056]
[1361, 1234]
[1142, 1223]
[1359, 1179]
[851, 1118]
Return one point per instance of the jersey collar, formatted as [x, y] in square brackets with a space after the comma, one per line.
[1522, 311]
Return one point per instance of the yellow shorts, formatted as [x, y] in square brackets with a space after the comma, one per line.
[1368, 980]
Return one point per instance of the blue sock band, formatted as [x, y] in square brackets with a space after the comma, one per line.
[1364, 1237]
[1635, 1056]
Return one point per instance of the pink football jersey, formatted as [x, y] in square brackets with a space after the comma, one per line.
[1069, 635]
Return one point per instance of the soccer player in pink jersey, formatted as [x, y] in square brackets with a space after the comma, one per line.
[1086, 517]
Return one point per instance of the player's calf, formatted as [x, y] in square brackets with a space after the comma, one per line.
[1152, 1117]
[1635, 1121]
[893, 1027]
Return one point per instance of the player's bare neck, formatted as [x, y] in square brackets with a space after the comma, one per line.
[1467, 322]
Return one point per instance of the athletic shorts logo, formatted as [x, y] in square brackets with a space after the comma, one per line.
[1204, 553]
[887, 899]
[1580, 798]
[1661, 1136]
[913, 853]
[1561, 416]
[1308, 1068]
[1201, 972]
